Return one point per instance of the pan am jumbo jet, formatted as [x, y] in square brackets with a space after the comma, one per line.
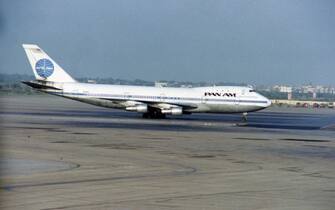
[152, 102]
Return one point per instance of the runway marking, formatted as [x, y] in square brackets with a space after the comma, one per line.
[253, 139]
[187, 171]
[305, 140]
[284, 139]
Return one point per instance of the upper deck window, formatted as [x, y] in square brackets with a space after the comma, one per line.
[250, 91]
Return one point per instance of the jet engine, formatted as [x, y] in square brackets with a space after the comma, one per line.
[143, 108]
[173, 111]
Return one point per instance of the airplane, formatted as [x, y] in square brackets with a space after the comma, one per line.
[152, 102]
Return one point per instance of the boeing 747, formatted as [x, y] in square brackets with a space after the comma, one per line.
[152, 102]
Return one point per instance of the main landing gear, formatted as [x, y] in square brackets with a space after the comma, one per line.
[154, 114]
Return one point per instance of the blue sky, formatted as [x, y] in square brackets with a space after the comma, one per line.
[248, 41]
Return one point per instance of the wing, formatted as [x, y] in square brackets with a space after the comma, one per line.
[164, 107]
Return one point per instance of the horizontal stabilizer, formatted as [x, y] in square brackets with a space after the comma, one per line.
[39, 85]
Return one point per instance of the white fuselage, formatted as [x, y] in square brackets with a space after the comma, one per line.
[216, 99]
[153, 102]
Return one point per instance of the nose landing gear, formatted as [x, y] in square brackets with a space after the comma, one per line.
[244, 121]
[244, 117]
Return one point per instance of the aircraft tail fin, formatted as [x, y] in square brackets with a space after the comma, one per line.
[44, 67]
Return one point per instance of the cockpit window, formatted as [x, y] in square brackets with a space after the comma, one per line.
[250, 91]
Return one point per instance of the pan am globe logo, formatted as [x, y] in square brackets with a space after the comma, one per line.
[44, 68]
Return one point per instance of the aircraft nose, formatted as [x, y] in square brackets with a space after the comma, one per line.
[268, 101]
[265, 101]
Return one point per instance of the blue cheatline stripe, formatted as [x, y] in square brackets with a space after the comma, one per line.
[140, 97]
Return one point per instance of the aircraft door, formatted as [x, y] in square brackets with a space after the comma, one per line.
[162, 97]
[237, 100]
[127, 96]
[204, 99]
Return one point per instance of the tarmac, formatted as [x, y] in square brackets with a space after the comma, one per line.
[61, 154]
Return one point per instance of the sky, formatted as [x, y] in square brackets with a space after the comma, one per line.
[242, 41]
